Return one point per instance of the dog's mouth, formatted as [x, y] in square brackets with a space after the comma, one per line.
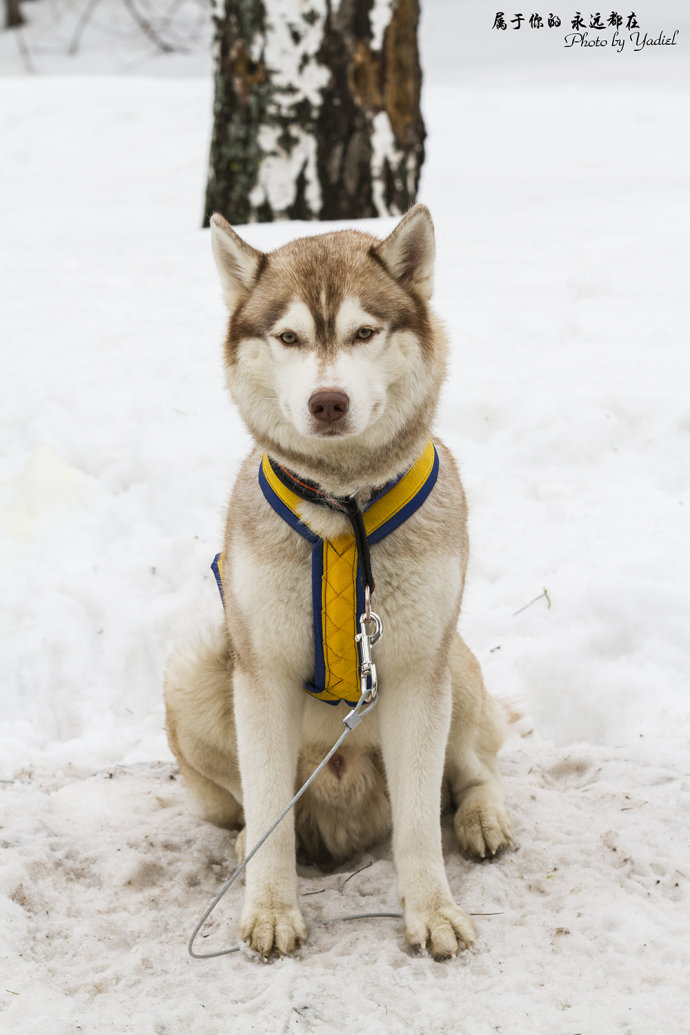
[331, 432]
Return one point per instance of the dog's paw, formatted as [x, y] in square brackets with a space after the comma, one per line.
[483, 828]
[441, 930]
[268, 930]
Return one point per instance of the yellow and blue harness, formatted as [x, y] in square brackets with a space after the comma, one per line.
[340, 567]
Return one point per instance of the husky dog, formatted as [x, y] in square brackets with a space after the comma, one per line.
[335, 362]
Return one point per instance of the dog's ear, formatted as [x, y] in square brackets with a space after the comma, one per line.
[237, 262]
[409, 252]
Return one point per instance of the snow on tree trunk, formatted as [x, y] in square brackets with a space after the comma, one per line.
[316, 112]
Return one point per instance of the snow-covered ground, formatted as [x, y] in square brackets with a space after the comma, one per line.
[559, 182]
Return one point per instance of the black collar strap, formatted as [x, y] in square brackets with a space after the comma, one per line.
[311, 493]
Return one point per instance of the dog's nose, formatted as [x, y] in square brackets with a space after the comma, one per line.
[328, 406]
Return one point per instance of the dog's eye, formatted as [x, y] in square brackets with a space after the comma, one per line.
[288, 338]
[364, 333]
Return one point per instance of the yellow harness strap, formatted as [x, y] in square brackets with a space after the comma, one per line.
[337, 590]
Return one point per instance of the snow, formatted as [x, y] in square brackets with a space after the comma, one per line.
[558, 183]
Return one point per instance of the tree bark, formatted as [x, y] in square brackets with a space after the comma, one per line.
[317, 110]
[13, 14]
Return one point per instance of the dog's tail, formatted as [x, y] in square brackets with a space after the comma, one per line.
[205, 658]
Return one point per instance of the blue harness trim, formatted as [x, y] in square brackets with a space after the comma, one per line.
[283, 510]
[408, 510]
[215, 568]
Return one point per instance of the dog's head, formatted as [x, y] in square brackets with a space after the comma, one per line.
[332, 353]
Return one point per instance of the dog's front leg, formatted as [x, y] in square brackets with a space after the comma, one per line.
[269, 721]
[414, 719]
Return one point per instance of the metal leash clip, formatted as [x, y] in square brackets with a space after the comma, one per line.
[366, 640]
[367, 670]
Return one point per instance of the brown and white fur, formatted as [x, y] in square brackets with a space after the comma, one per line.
[242, 729]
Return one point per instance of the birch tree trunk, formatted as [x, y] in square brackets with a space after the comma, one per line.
[317, 110]
[13, 14]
